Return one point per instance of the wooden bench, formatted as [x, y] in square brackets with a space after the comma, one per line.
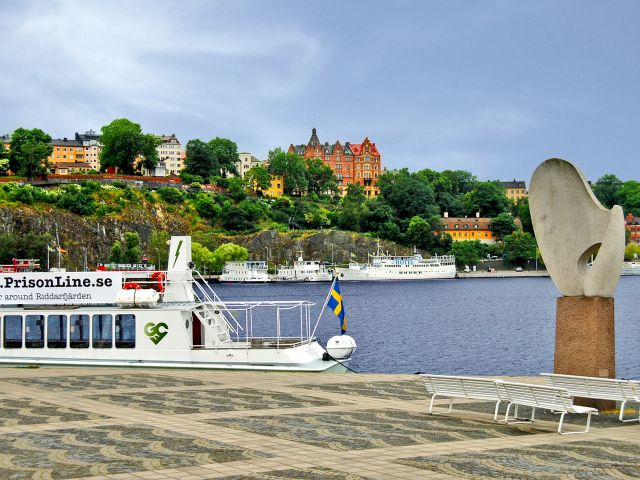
[623, 391]
[451, 387]
[555, 399]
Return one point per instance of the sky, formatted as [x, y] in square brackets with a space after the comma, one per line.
[493, 87]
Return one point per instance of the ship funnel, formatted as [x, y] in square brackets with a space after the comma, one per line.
[178, 271]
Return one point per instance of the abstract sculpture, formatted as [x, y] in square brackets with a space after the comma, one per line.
[572, 227]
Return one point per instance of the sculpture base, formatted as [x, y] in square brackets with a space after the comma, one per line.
[585, 341]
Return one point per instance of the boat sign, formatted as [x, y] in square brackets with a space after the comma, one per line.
[60, 288]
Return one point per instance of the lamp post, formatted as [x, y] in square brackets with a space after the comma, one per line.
[267, 249]
[331, 253]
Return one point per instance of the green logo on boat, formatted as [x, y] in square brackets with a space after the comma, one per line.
[152, 330]
[177, 252]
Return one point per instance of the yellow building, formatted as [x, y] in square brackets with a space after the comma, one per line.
[473, 228]
[66, 151]
[515, 190]
[277, 187]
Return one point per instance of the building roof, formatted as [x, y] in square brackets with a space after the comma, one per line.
[65, 142]
[515, 184]
[483, 223]
[169, 138]
[358, 149]
[87, 136]
[313, 141]
[72, 165]
[631, 220]
[5, 138]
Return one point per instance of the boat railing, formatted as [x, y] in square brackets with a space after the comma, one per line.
[205, 293]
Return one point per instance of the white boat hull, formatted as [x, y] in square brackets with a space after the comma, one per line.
[352, 274]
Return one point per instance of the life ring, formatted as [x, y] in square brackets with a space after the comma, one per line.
[158, 277]
[131, 286]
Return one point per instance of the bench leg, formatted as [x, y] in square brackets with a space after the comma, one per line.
[431, 405]
[586, 430]
[622, 419]
[495, 413]
[517, 419]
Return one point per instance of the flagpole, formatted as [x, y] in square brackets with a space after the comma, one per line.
[48, 247]
[326, 300]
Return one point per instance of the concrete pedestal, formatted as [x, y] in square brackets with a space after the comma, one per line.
[585, 341]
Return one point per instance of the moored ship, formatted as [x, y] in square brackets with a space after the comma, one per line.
[382, 266]
[250, 271]
[303, 271]
[630, 268]
[169, 320]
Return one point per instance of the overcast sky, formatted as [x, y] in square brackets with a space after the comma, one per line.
[493, 87]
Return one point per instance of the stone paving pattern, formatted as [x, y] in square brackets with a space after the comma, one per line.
[133, 423]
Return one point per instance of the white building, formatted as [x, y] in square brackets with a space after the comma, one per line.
[170, 152]
[246, 161]
[91, 145]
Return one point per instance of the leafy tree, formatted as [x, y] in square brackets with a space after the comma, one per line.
[200, 160]
[237, 188]
[207, 207]
[524, 214]
[228, 252]
[320, 177]
[258, 178]
[629, 196]
[519, 247]
[132, 251]
[353, 212]
[419, 232]
[503, 225]
[188, 179]
[467, 252]
[606, 188]
[380, 214]
[407, 194]
[632, 252]
[4, 159]
[238, 219]
[123, 142]
[30, 245]
[202, 256]
[116, 252]
[158, 246]
[292, 168]
[77, 200]
[488, 198]
[29, 152]
[226, 152]
[170, 194]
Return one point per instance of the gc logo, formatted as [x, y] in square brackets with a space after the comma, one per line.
[152, 330]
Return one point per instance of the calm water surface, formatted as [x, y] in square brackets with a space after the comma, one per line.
[463, 326]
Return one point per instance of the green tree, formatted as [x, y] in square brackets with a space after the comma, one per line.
[488, 198]
[503, 225]
[467, 252]
[519, 247]
[202, 256]
[292, 168]
[258, 178]
[237, 188]
[30, 245]
[629, 196]
[524, 214]
[4, 159]
[158, 247]
[170, 194]
[207, 207]
[200, 160]
[632, 252]
[116, 252]
[123, 142]
[132, 251]
[419, 232]
[226, 152]
[606, 188]
[353, 212]
[320, 177]
[29, 152]
[408, 194]
[228, 252]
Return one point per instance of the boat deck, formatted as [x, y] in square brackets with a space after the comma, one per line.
[161, 424]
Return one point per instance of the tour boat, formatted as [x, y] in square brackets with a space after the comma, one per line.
[630, 268]
[250, 271]
[303, 271]
[165, 319]
[383, 266]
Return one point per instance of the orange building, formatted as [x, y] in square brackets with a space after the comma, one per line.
[632, 225]
[358, 163]
[277, 187]
[66, 151]
[473, 228]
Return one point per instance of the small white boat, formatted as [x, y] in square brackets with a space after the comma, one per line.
[630, 268]
[254, 271]
[303, 271]
[168, 319]
[383, 266]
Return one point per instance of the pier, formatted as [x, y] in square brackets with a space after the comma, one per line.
[130, 423]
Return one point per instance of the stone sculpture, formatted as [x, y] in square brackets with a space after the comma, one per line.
[570, 226]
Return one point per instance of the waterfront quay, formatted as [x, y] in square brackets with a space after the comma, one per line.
[133, 423]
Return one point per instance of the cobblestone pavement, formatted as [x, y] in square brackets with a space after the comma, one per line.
[58, 423]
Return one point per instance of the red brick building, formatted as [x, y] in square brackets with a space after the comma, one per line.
[350, 162]
[632, 224]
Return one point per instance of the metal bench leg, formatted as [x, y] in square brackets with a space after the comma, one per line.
[431, 405]
[495, 413]
[586, 430]
[622, 419]
[517, 419]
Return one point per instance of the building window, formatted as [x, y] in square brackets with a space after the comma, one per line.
[457, 226]
[475, 226]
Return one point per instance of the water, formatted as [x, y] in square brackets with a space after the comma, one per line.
[471, 326]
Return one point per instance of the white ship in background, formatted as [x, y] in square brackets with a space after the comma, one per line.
[630, 268]
[303, 271]
[382, 266]
[250, 271]
[169, 319]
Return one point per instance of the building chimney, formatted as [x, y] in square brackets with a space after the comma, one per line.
[446, 214]
[477, 214]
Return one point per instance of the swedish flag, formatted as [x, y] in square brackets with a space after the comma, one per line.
[336, 304]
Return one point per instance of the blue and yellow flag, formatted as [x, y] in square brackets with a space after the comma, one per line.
[336, 304]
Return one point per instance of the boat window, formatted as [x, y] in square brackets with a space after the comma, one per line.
[126, 331]
[102, 331]
[34, 331]
[79, 331]
[12, 331]
[57, 331]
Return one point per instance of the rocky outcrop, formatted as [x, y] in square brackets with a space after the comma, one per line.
[93, 237]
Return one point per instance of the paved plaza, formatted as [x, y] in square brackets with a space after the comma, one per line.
[58, 423]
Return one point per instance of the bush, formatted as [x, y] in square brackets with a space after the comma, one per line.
[119, 184]
[90, 186]
[207, 207]
[77, 201]
[170, 194]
